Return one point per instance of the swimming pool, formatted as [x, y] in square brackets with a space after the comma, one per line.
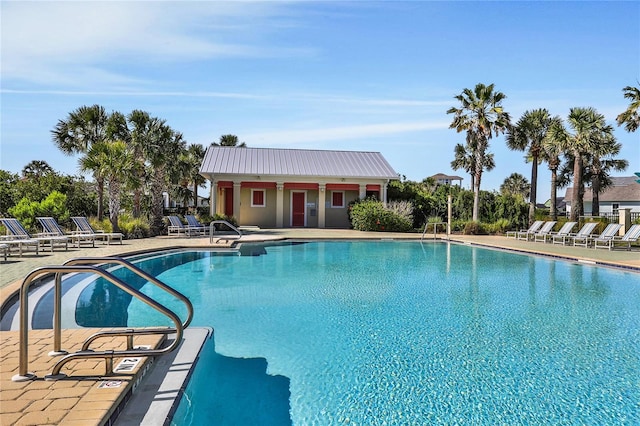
[405, 333]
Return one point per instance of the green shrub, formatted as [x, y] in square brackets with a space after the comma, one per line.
[26, 211]
[371, 215]
[474, 228]
[500, 226]
[134, 228]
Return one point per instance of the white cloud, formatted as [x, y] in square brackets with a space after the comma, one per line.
[77, 42]
[328, 134]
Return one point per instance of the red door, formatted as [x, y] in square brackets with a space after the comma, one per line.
[228, 202]
[297, 209]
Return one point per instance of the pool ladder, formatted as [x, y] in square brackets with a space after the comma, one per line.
[435, 229]
[89, 265]
[212, 230]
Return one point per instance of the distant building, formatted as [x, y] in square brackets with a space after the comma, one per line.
[443, 179]
[561, 206]
[276, 188]
[624, 193]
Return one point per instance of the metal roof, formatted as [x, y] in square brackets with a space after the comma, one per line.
[295, 162]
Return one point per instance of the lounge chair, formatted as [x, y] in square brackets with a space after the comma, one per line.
[545, 231]
[83, 226]
[178, 228]
[586, 230]
[194, 224]
[528, 234]
[533, 228]
[18, 234]
[632, 235]
[50, 226]
[564, 230]
[561, 236]
[583, 237]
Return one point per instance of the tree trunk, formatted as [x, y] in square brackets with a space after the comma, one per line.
[476, 196]
[577, 206]
[534, 189]
[137, 195]
[114, 204]
[595, 190]
[157, 185]
[554, 197]
[195, 197]
[100, 189]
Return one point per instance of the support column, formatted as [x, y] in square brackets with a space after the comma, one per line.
[321, 204]
[236, 201]
[279, 204]
[363, 192]
[213, 194]
[384, 193]
[624, 219]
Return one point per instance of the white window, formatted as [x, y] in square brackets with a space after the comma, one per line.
[258, 198]
[337, 199]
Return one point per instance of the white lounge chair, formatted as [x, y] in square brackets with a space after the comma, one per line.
[632, 235]
[176, 227]
[564, 230]
[533, 228]
[584, 236]
[195, 225]
[83, 226]
[544, 232]
[584, 232]
[51, 226]
[17, 232]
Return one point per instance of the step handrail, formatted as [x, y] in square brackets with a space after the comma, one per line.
[212, 229]
[23, 373]
[435, 228]
[57, 308]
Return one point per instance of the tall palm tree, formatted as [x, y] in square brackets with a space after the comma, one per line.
[195, 155]
[516, 184]
[482, 116]
[589, 130]
[464, 159]
[528, 135]
[113, 160]
[161, 150]
[602, 162]
[551, 152]
[82, 128]
[229, 140]
[631, 117]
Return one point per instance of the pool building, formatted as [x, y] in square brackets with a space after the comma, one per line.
[281, 188]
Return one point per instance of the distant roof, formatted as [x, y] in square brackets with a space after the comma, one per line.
[443, 176]
[623, 189]
[295, 162]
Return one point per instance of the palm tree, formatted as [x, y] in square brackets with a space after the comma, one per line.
[464, 159]
[528, 135]
[84, 127]
[37, 169]
[113, 160]
[229, 140]
[482, 116]
[551, 151]
[161, 150]
[195, 155]
[589, 130]
[631, 118]
[602, 162]
[516, 184]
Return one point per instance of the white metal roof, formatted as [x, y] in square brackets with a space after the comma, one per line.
[295, 162]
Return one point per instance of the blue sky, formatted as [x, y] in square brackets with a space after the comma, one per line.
[370, 76]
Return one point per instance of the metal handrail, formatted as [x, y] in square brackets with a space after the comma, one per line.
[212, 228]
[57, 308]
[23, 373]
[435, 229]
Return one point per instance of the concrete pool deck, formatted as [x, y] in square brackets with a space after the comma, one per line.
[80, 399]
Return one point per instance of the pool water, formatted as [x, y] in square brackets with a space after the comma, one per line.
[394, 332]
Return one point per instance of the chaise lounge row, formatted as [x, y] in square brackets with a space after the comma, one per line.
[19, 238]
[541, 231]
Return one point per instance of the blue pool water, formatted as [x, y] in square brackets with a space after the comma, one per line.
[405, 333]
